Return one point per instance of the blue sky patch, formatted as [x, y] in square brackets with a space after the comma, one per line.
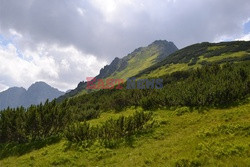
[4, 41]
[247, 28]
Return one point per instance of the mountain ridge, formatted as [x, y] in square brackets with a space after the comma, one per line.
[18, 96]
[131, 64]
[200, 54]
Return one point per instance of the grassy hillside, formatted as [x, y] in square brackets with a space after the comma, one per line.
[200, 54]
[130, 65]
[143, 58]
[214, 137]
[161, 58]
[200, 117]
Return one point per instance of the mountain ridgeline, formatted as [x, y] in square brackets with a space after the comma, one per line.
[37, 93]
[198, 55]
[132, 64]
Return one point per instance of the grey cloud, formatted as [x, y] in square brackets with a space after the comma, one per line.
[183, 22]
[107, 34]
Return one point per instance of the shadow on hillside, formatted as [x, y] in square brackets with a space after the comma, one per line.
[204, 109]
[17, 149]
[235, 104]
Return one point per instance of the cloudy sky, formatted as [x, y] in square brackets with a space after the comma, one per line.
[62, 42]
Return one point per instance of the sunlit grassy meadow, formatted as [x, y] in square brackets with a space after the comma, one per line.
[181, 137]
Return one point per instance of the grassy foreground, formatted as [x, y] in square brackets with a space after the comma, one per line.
[215, 137]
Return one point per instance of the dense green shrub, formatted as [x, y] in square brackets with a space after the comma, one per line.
[209, 86]
[187, 163]
[111, 131]
[182, 110]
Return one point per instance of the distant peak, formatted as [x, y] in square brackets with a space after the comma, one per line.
[16, 88]
[164, 44]
[161, 42]
[39, 85]
[40, 82]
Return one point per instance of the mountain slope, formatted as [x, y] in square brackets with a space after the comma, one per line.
[200, 54]
[36, 93]
[143, 58]
[156, 60]
[12, 97]
[132, 64]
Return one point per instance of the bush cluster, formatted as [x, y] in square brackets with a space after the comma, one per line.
[111, 131]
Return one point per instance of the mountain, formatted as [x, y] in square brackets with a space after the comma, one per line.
[132, 64]
[200, 117]
[36, 93]
[12, 97]
[163, 57]
[197, 55]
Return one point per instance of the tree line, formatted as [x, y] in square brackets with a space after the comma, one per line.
[208, 86]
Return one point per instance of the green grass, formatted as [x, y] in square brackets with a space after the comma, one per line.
[135, 65]
[212, 48]
[168, 69]
[214, 137]
[223, 56]
[107, 115]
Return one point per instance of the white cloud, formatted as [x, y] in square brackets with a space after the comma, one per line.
[61, 67]
[245, 37]
[80, 11]
[3, 87]
[112, 28]
[14, 69]
[15, 34]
